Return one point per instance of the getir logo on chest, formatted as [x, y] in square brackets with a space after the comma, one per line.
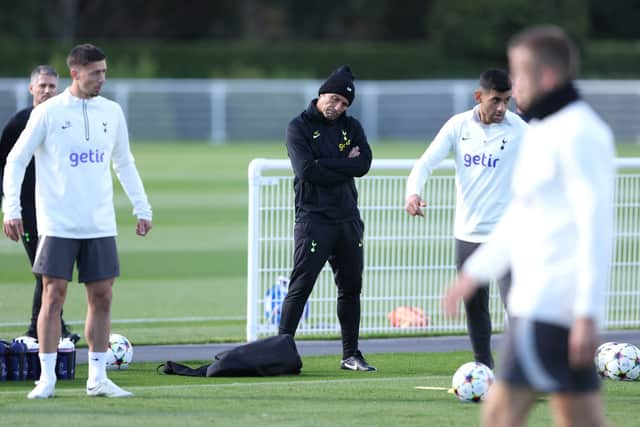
[90, 156]
[487, 161]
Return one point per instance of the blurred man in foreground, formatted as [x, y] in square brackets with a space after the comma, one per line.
[557, 236]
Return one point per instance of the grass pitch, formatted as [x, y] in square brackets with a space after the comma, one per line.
[322, 395]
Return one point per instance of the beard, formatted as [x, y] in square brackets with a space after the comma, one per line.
[330, 114]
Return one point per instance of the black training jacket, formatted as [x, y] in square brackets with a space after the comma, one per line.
[325, 190]
[10, 134]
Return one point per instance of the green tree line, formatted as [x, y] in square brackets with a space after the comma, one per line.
[370, 61]
[381, 39]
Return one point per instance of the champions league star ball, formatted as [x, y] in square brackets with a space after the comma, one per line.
[471, 382]
[622, 362]
[602, 356]
[120, 352]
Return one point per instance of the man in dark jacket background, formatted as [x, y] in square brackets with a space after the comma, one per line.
[43, 85]
[328, 149]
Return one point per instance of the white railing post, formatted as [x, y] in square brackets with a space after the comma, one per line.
[253, 248]
[256, 167]
[218, 99]
[22, 96]
[460, 93]
[369, 118]
[121, 95]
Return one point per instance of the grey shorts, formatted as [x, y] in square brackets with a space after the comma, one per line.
[536, 355]
[97, 259]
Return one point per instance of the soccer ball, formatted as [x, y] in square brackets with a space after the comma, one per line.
[601, 356]
[119, 353]
[471, 381]
[622, 362]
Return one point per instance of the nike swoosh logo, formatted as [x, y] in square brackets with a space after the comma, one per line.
[316, 136]
[466, 138]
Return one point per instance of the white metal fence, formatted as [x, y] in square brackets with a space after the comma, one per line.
[234, 110]
[408, 261]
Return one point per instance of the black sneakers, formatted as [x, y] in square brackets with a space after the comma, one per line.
[356, 363]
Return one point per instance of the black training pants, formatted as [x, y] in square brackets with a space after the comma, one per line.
[341, 245]
[30, 242]
[477, 308]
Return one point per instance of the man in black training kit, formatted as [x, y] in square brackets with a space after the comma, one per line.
[43, 85]
[328, 149]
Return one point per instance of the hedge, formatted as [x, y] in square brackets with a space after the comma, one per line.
[371, 61]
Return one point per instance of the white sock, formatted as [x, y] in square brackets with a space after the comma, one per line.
[97, 367]
[48, 367]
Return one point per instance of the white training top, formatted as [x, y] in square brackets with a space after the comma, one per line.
[484, 157]
[558, 230]
[74, 141]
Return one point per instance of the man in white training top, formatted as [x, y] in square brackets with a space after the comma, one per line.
[556, 236]
[485, 141]
[75, 137]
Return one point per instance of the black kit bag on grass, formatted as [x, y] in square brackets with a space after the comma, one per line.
[271, 356]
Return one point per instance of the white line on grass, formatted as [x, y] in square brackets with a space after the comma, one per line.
[416, 379]
[149, 320]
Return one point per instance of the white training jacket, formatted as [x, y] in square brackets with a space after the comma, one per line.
[557, 232]
[484, 156]
[74, 141]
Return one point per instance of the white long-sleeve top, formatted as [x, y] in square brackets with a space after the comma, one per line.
[74, 141]
[484, 156]
[557, 232]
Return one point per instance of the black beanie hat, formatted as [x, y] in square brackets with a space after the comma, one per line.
[340, 82]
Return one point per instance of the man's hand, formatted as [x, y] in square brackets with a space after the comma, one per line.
[143, 227]
[355, 152]
[462, 288]
[413, 205]
[13, 229]
[583, 341]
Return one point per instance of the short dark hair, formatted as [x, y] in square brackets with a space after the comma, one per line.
[84, 54]
[47, 70]
[550, 46]
[495, 79]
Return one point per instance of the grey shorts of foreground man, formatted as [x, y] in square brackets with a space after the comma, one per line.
[97, 259]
